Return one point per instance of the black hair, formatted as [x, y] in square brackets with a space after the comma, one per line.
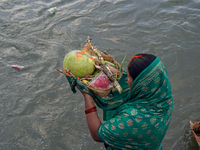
[138, 63]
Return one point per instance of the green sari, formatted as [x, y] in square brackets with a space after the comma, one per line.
[139, 117]
[141, 123]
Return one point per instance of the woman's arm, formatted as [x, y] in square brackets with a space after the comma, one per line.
[93, 120]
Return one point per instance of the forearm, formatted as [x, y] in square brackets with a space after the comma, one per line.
[93, 120]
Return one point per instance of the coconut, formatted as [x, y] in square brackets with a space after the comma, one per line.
[79, 63]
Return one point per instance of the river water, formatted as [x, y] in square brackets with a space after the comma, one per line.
[37, 108]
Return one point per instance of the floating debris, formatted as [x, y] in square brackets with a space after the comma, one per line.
[17, 67]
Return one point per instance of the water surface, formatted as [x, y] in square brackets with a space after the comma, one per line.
[38, 109]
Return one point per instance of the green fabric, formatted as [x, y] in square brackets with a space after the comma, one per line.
[108, 114]
[109, 102]
[141, 123]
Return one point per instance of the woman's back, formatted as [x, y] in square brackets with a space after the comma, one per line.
[141, 122]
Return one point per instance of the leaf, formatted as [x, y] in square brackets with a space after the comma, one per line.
[122, 64]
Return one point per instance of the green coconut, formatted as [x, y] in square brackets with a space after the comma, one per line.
[79, 63]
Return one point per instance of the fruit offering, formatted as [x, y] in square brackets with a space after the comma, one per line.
[79, 63]
[97, 70]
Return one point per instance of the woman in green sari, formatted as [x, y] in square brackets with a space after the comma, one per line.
[141, 119]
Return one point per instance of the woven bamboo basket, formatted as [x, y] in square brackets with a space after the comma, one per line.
[98, 91]
[102, 92]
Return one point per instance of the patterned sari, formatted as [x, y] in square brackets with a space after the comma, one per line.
[142, 120]
[137, 118]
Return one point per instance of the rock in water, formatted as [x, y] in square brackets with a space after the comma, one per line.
[79, 63]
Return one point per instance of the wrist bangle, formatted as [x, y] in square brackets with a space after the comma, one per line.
[90, 110]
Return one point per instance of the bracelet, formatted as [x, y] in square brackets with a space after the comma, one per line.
[90, 110]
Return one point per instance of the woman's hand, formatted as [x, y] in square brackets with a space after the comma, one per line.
[84, 93]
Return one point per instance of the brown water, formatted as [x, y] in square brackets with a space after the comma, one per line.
[37, 108]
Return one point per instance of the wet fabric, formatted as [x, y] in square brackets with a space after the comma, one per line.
[141, 123]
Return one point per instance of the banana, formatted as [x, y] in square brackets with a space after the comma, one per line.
[85, 81]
